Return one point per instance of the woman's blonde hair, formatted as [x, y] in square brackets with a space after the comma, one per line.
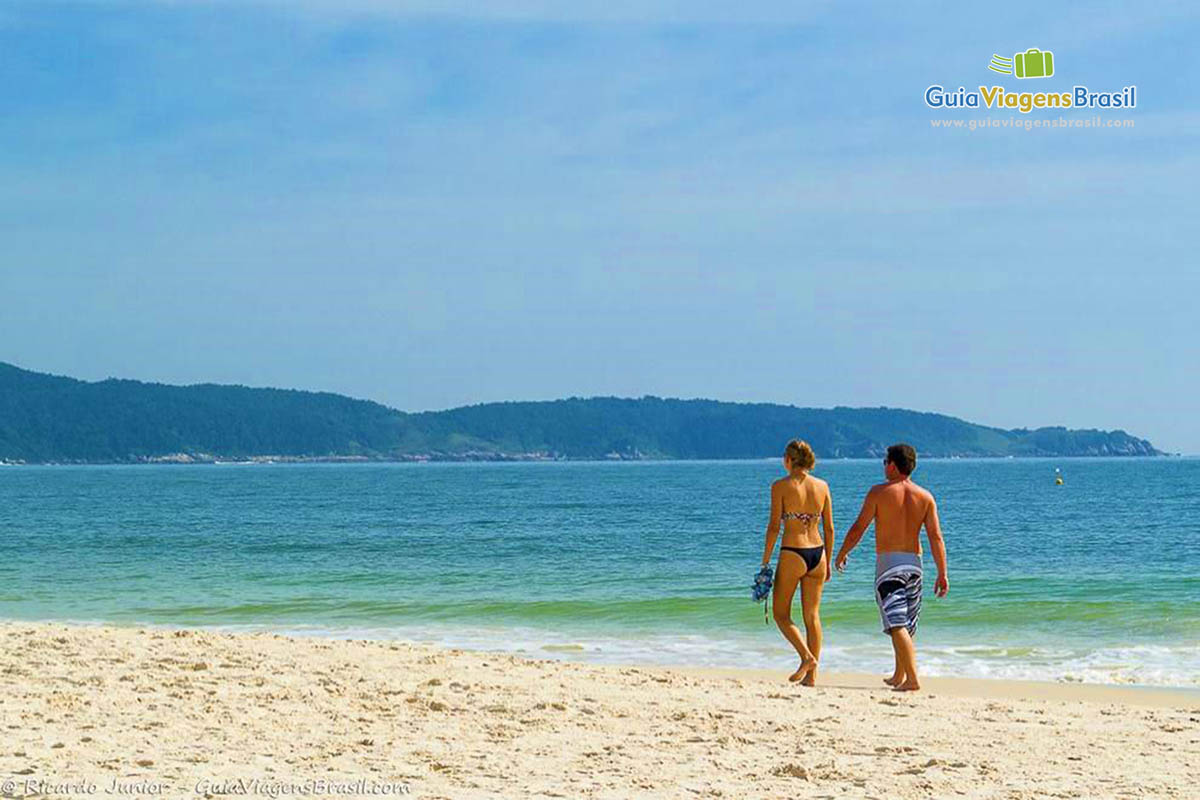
[800, 455]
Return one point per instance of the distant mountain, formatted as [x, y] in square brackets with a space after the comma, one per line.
[46, 418]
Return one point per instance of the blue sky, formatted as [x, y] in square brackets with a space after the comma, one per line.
[432, 204]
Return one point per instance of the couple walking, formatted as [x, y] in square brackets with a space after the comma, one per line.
[899, 508]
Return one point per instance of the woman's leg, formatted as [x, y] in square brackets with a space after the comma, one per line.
[787, 575]
[811, 587]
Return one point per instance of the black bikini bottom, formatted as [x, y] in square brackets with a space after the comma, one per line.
[811, 555]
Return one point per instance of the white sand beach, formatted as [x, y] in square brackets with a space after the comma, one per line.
[192, 713]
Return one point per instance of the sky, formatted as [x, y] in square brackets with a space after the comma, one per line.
[436, 204]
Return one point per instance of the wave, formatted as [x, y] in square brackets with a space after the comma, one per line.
[1138, 664]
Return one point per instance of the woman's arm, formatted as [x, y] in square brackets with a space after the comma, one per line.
[827, 527]
[773, 524]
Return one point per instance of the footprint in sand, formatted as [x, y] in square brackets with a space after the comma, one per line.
[790, 771]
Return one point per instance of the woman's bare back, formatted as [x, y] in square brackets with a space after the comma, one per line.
[803, 501]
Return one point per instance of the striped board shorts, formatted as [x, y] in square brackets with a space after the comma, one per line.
[898, 589]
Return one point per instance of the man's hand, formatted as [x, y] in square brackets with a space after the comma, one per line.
[942, 586]
[841, 562]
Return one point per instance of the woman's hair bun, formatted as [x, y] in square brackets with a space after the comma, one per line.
[800, 454]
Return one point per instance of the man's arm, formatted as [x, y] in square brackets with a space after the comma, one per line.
[773, 523]
[933, 531]
[827, 527]
[855, 534]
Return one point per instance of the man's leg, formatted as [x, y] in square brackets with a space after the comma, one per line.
[906, 659]
[897, 676]
[893, 610]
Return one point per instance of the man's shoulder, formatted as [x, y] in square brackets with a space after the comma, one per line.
[921, 490]
[924, 496]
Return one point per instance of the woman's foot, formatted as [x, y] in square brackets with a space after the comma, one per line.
[806, 666]
[894, 680]
[908, 686]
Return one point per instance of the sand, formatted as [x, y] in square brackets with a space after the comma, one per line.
[133, 712]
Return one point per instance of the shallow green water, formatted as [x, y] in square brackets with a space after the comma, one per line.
[1094, 580]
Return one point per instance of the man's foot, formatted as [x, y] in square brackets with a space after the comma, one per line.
[806, 667]
[907, 686]
[894, 680]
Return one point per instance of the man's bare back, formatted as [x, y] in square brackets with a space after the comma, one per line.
[900, 510]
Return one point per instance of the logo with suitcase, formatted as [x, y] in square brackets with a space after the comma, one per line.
[1029, 99]
[1033, 63]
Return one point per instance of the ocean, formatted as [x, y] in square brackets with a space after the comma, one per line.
[626, 562]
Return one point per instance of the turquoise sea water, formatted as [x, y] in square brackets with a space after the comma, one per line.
[1096, 580]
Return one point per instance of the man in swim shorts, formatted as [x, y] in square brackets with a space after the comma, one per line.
[899, 509]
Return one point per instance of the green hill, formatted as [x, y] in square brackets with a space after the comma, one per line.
[46, 418]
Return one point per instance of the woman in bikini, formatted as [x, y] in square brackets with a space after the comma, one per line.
[798, 501]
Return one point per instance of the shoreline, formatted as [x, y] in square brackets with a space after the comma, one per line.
[993, 688]
[1160, 695]
[190, 708]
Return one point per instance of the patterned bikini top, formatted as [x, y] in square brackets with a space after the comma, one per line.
[802, 516]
